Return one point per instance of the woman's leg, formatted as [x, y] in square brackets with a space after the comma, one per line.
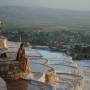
[25, 64]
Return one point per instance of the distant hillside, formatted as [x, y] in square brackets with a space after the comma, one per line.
[30, 16]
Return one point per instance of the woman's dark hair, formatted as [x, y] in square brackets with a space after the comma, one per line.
[21, 45]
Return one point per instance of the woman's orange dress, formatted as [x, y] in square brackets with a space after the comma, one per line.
[21, 57]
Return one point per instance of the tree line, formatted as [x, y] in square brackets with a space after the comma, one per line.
[37, 36]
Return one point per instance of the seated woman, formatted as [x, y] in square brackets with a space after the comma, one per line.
[21, 57]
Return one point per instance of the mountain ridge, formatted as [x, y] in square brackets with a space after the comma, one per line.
[28, 16]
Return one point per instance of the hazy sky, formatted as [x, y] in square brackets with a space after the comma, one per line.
[61, 4]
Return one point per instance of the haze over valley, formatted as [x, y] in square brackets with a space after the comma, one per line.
[20, 16]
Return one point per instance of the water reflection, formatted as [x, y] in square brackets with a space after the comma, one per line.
[17, 85]
[27, 85]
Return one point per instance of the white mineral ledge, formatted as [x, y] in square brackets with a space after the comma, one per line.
[2, 84]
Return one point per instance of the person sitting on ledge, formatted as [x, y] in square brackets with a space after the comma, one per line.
[21, 57]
